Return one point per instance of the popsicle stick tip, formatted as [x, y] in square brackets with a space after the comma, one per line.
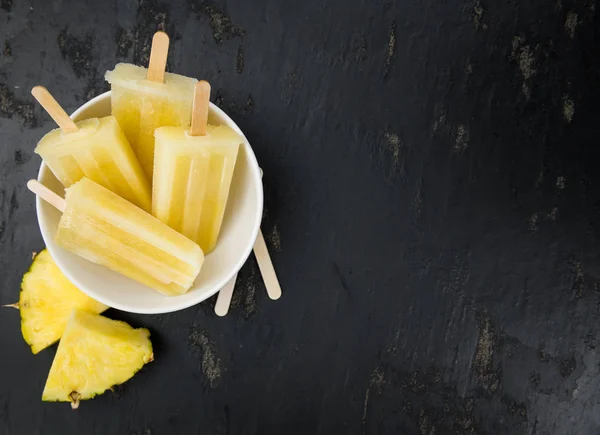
[46, 194]
[158, 57]
[200, 108]
[224, 298]
[203, 86]
[37, 90]
[160, 36]
[266, 267]
[50, 105]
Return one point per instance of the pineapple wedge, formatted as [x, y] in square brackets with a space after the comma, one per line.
[46, 302]
[94, 354]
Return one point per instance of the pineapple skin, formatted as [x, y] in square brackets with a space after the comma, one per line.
[95, 354]
[46, 302]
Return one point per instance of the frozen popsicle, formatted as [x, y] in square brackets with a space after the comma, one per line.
[192, 174]
[144, 99]
[95, 148]
[103, 228]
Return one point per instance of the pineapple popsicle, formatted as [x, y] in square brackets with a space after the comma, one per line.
[103, 228]
[144, 99]
[95, 148]
[192, 174]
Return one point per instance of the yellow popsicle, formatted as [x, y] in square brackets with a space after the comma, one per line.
[97, 150]
[192, 179]
[106, 229]
[141, 106]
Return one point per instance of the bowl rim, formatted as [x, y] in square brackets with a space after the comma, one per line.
[255, 170]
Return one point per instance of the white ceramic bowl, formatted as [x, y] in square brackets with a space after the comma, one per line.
[238, 233]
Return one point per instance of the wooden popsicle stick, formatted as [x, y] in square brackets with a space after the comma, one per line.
[224, 297]
[51, 106]
[158, 57]
[47, 195]
[266, 267]
[265, 264]
[267, 271]
[200, 108]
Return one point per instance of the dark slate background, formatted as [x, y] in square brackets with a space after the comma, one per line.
[432, 208]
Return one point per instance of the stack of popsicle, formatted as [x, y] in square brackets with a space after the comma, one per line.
[158, 131]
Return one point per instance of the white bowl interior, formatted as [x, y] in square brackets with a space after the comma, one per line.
[238, 233]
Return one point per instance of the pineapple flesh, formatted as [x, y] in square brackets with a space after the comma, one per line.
[46, 302]
[95, 354]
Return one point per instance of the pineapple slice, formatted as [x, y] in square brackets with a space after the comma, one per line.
[46, 302]
[94, 354]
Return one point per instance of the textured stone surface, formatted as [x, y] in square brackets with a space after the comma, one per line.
[432, 208]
